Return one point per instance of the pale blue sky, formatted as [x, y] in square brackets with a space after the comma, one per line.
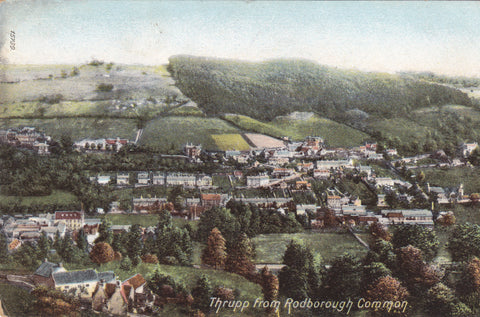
[443, 37]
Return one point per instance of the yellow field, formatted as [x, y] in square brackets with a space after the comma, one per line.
[227, 142]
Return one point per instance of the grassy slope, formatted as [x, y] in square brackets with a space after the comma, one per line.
[78, 128]
[470, 177]
[335, 134]
[57, 197]
[226, 142]
[163, 132]
[270, 248]
[189, 276]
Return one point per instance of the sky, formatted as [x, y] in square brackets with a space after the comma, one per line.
[442, 37]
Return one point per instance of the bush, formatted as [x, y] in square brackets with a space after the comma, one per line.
[104, 87]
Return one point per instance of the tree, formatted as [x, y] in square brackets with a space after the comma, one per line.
[373, 272]
[413, 270]
[101, 253]
[133, 243]
[214, 253]
[387, 288]
[172, 243]
[417, 236]
[378, 231]
[343, 278]
[105, 233]
[3, 248]
[441, 301]
[470, 281]
[201, 294]
[82, 242]
[240, 256]
[219, 218]
[126, 264]
[464, 242]
[270, 285]
[299, 277]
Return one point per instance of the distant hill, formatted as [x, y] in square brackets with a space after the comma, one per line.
[269, 89]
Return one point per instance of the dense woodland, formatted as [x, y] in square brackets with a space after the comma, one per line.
[270, 89]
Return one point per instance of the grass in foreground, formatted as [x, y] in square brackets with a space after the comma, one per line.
[271, 247]
[189, 276]
[16, 301]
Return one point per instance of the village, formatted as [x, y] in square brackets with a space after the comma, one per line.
[299, 179]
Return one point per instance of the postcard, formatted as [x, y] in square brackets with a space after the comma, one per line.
[239, 158]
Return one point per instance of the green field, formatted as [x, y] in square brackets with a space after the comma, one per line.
[167, 132]
[453, 177]
[226, 142]
[402, 128]
[57, 197]
[16, 301]
[271, 247]
[189, 276]
[78, 128]
[334, 133]
[250, 124]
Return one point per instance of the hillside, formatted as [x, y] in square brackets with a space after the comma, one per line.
[269, 89]
[388, 108]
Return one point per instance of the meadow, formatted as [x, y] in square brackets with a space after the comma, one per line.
[229, 142]
[174, 132]
[58, 197]
[271, 247]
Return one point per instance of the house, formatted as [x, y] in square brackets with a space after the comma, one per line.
[123, 179]
[358, 210]
[74, 220]
[303, 209]
[144, 205]
[192, 151]
[305, 167]
[103, 179]
[42, 148]
[138, 289]
[117, 298]
[422, 217]
[143, 178]
[335, 164]
[43, 274]
[321, 173]
[83, 282]
[204, 181]
[334, 201]
[258, 181]
[384, 181]
[210, 200]
[158, 179]
[302, 185]
[282, 172]
[176, 179]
